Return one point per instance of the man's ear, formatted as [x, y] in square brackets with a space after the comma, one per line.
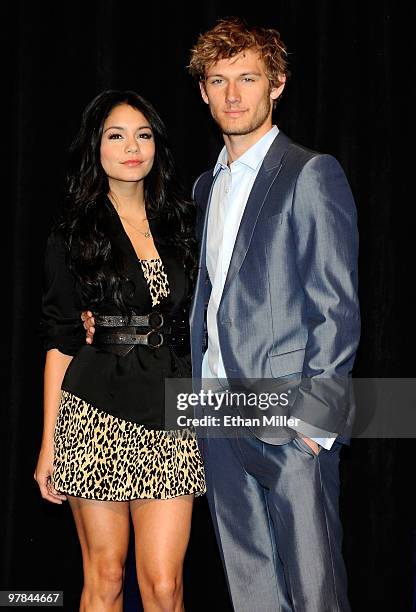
[275, 92]
[203, 92]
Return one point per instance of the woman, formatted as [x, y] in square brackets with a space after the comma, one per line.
[124, 246]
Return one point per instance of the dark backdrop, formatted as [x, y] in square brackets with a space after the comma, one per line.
[347, 59]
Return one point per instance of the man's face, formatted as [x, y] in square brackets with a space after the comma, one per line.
[239, 94]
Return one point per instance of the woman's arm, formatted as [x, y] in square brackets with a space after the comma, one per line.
[55, 368]
[62, 336]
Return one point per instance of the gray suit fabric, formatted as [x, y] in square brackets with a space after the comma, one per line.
[289, 309]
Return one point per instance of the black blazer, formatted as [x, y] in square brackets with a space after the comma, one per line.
[131, 386]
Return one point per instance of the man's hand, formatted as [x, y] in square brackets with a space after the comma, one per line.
[89, 322]
[311, 443]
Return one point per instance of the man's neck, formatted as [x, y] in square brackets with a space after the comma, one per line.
[237, 145]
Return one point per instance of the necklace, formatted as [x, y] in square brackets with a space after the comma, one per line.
[113, 199]
[146, 234]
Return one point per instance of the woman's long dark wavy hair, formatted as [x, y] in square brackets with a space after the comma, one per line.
[85, 218]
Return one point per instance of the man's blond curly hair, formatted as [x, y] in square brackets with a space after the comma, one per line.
[231, 36]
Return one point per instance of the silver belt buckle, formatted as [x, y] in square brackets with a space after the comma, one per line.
[155, 320]
[155, 333]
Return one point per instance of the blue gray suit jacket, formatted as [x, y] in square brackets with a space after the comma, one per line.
[289, 304]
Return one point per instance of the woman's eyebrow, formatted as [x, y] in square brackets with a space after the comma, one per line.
[119, 127]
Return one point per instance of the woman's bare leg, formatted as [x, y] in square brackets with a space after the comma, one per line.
[103, 531]
[162, 528]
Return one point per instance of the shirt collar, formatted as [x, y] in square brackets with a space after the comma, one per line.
[253, 157]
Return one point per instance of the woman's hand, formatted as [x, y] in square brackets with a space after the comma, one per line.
[43, 475]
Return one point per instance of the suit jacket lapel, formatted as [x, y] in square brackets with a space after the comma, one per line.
[266, 176]
[202, 273]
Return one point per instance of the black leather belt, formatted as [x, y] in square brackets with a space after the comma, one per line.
[154, 320]
[158, 329]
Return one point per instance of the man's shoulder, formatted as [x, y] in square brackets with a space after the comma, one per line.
[293, 150]
[298, 158]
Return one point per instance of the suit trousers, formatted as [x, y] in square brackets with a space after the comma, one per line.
[276, 518]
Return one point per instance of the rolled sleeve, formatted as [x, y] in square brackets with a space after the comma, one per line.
[60, 325]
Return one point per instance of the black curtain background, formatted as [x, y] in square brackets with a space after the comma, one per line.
[347, 59]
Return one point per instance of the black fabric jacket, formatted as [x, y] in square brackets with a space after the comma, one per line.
[130, 387]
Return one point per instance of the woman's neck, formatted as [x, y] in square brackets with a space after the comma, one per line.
[128, 202]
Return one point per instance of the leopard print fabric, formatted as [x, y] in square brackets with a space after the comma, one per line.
[156, 279]
[99, 456]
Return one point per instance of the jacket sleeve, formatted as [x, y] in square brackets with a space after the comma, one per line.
[325, 231]
[61, 326]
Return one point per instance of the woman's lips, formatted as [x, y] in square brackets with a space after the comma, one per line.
[131, 163]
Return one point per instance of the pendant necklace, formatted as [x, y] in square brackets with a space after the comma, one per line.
[146, 234]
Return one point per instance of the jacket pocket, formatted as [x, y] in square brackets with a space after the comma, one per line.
[305, 447]
[287, 363]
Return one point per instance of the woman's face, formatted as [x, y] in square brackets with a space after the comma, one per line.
[127, 145]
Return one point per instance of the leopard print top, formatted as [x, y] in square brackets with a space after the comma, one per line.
[156, 279]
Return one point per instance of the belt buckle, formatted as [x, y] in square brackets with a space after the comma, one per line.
[155, 333]
[158, 323]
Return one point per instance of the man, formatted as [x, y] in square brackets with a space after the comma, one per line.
[277, 282]
[279, 272]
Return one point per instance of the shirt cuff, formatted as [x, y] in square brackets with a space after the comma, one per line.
[320, 436]
[324, 442]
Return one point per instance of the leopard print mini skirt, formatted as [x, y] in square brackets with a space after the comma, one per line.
[99, 456]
